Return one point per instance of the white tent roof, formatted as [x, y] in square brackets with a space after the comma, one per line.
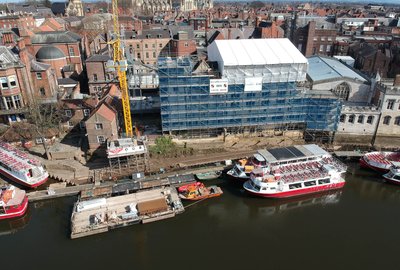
[247, 52]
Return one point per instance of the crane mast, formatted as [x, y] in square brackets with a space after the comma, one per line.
[121, 66]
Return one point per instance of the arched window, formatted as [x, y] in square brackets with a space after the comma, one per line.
[386, 120]
[370, 119]
[360, 119]
[397, 121]
[343, 118]
[351, 118]
[342, 91]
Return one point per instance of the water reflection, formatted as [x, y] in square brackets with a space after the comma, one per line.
[11, 226]
[267, 207]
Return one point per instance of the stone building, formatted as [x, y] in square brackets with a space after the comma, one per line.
[151, 6]
[326, 73]
[74, 8]
[387, 98]
[190, 5]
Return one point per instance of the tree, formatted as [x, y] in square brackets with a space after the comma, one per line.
[44, 117]
[257, 4]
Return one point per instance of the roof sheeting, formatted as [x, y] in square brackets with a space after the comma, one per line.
[324, 68]
[255, 52]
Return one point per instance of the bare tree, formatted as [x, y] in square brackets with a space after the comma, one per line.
[45, 118]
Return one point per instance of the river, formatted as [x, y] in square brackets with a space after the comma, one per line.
[355, 228]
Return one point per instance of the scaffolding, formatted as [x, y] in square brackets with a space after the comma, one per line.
[127, 156]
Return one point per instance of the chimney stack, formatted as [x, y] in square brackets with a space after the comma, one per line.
[397, 80]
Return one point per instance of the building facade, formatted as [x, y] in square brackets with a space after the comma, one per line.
[99, 77]
[248, 85]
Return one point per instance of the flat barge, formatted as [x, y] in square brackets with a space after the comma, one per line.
[100, 215]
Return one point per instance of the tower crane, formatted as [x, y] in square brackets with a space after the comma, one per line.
[121, 65]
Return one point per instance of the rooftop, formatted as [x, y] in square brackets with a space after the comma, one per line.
[245, 52]
[326, 68]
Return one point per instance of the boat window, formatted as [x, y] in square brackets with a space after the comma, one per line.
[264, 188]
[310, 183]
[397, 177]
[273, 188]
[2, 210]
[293, 186]
[255, 186]
[323, 181]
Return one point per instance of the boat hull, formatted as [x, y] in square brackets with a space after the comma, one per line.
[198, 198]
[21, 182]
[299, 192]
[391, 181]
[17, 212]
[366, 165]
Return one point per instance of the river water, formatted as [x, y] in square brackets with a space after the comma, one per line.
[355, 228]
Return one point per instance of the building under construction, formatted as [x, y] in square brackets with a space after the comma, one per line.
[245, 86]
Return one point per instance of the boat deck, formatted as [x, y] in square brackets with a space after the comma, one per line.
[118, 212]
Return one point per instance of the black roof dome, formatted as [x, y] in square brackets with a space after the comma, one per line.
[49, 53]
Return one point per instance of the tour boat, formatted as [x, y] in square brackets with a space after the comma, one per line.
[242, 169]
[393, 176]
[198, 191]
[13, 202]
[379, 161]
[19, 167]
[294, 171]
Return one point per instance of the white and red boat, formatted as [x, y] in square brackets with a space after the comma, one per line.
[19, 167]
[379, 161]
[393, 176]
[294, 171]
[13, 202]
[242, 169]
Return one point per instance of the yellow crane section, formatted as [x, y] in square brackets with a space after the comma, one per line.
[121, 65]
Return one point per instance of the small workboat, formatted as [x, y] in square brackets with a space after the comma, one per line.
[208, 175]
[393, 176]
[198, 191]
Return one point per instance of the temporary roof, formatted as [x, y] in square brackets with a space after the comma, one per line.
[248, 52]
[292, 152]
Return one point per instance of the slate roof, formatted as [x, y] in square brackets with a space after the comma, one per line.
[98, 58]
[49, 53]
[7, 58]
[55, 37]
[38, 66]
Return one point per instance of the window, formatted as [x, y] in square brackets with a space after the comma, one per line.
[390, 104]
[370, 119]
[38, 75]
[154, 54]
[95, 77]
[42, 91]
[9, 104]
[86, 112]
[386, 120]
[13, 81]
[138, 55]
[186, 44]
[68, 113]
[147, 55]
[71, 52]
[82, 124]
[397, 121]
[342, 91]
[351, 118]
[70, 124]
[4, 83]
[99, 126]
[343, 118]
[39, 141]
[153, 45]
[17, 101]
[360, 119]
[322, 38]
[160, 45]
[328, 48]
[321, 48]
[146, 46]
[101, 139]
[137, 46]
[314, 50]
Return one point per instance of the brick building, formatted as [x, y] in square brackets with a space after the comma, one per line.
[148, 46]
[67, 42]
[181, 45]
[75, 113]
[315, 38]
[14, 86]
[99, 78]
[17, 21]
[370, 59]
[101, 125]
[54, 57]
[44, 80]
[266, 29]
